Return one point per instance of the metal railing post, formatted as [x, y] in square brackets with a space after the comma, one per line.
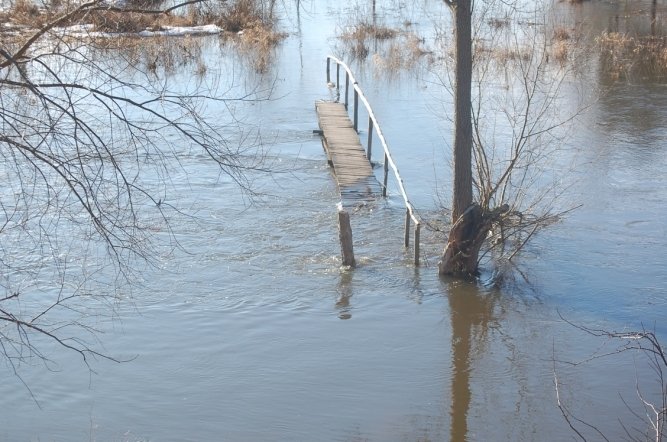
[356, 110]
[417, 231]
[406, 240]
[337, 81]
[328, 70]
[347, 88]
[386, 173]
[370, 139]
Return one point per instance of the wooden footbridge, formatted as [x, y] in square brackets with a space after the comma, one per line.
[352, 166]
[353, 170]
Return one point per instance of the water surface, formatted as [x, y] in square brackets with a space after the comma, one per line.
[255, 333]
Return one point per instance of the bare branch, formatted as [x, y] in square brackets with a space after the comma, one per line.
[646, 343]
[89, 152]
[569, 418]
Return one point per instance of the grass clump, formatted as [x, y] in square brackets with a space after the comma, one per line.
[401, 53]
[625, 57]
[364, 31]
[123, 22]
[23, 13]
[359, 36]
[393, 49]
[560, 45]
[250, 23]
[257, 45]
[242, 15]
[561, 34]
[233, 17]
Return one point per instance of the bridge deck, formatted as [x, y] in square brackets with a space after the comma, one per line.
[353, 171]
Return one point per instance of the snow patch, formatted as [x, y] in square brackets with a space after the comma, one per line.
[180, 31]
[165, 31]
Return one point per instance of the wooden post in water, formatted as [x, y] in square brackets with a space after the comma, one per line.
[345, 236]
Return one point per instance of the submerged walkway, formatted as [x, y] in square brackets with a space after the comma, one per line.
[353, 171]
[352, 166]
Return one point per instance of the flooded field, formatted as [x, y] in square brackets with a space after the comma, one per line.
[254, 332]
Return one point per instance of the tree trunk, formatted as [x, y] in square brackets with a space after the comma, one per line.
[465, 239]
[461, 253]
[463, 109]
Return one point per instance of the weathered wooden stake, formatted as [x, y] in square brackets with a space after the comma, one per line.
[345, 236]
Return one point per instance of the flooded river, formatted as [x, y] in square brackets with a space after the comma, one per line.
[255, 333]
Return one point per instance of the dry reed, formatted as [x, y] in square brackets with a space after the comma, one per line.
[246, 22]
[624, 56]
[393, 49]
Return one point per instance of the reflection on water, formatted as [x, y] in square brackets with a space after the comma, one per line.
[345, 293]
[471, 311]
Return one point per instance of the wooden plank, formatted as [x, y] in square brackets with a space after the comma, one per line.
[353, 172]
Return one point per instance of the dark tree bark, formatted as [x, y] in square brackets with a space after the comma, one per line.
[497, 180]
[463, 108]
[465, 237]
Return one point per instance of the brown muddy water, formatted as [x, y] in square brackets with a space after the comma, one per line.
[257, 334]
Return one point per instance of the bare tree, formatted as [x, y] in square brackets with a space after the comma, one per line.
[467, 232]
[501, 193]
[88, 140]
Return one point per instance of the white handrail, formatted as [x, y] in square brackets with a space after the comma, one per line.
[388, 159]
